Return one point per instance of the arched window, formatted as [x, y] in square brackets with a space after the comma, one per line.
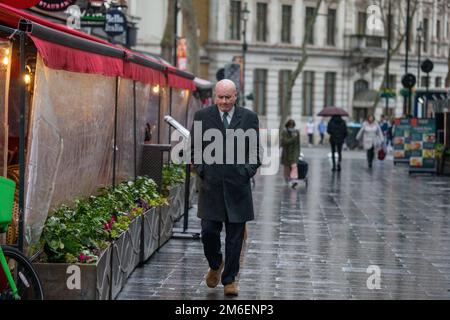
[360, 86]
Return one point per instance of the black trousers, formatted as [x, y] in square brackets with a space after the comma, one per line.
[336, 147]
[234, 236]
[370, 155]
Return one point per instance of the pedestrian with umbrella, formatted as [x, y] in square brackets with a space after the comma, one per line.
[337, 129]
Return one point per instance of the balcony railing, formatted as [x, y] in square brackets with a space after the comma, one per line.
[368, 42]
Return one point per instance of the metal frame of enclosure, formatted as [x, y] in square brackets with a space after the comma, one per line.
[81, 121]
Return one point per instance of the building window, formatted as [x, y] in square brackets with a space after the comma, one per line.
[360, 114]
[309, 34]
[260, 91]
[425, 34]
[392, 82]
[423, 81]
[261, 22]
[362, 22]
[286, 22]
[438, 82]
[330, 89]
[235, 20]
[331, 27]
[360, 86]
[308, 93]
[283, 82]
[438, 30]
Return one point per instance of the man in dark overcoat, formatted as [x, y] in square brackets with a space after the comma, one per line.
[225, 165]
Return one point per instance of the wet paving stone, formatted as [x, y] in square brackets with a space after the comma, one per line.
[317, 243]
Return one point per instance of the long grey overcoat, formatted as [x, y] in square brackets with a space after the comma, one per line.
[225, 191]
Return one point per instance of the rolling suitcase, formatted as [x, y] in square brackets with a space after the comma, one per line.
[302, 168]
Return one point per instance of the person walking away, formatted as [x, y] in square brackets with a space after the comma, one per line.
[371, 136]
[310, 132]
[322, 130]
[290, 143]
[225, 194]
[384, 126]
[337, 129]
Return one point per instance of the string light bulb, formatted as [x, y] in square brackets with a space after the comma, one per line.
[5, 61]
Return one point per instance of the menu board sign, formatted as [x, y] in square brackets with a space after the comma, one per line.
[401, 140]
[422, 145]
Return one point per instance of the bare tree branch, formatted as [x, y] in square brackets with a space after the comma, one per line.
[287, 96]
[394, 51]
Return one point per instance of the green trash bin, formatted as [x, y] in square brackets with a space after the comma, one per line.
[7, 190]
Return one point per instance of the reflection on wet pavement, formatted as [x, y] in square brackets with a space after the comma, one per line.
[318, 242]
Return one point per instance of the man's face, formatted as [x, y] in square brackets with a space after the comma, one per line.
[225, 97]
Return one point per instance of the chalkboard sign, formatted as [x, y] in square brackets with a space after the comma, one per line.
[422, 145]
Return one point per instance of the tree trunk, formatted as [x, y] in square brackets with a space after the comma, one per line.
[169, 32]
[392, 53]
[287, 96]
[190, 32]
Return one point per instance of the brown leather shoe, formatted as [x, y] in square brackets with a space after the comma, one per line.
[231, 289]
[213, 276]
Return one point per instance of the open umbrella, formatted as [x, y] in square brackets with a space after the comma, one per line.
[20, 4]
[332, 111]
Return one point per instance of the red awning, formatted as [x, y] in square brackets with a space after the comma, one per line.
[143, 74]
[21, 4]
[177, 81]
[65, 57]
[59, 57]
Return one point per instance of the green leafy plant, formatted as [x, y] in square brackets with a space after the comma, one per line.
[81, 232]
[173, 174]
[439, 150]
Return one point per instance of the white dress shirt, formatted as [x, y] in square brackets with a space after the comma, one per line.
[229, 117]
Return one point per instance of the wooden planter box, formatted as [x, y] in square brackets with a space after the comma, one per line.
[149, 233]
[64, 281]
[125, 255]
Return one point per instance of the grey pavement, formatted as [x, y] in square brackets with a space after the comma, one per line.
[362, 233]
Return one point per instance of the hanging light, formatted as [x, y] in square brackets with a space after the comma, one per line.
[27, 76]
[5, 61]
[156, 89]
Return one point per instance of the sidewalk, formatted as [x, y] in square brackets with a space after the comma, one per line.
[317, 243]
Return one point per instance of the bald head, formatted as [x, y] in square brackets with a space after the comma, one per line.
[226, 95]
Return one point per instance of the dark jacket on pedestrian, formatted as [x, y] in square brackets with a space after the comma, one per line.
[225, 191]
[337, 129]
[290, 142]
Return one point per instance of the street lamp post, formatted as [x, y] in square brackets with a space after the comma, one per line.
[419, 42]
[244, 17]
[388, 58]
[407, 101]
[175, 34]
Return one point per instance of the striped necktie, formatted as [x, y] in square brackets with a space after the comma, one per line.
[225, 120]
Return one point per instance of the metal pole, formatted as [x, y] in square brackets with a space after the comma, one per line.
[115, 133]
[408, 5]
[244, 50]
[22, 134]
[418, 61]
[175, 31]
[135, 130]
[388, 58]
[426, 96]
